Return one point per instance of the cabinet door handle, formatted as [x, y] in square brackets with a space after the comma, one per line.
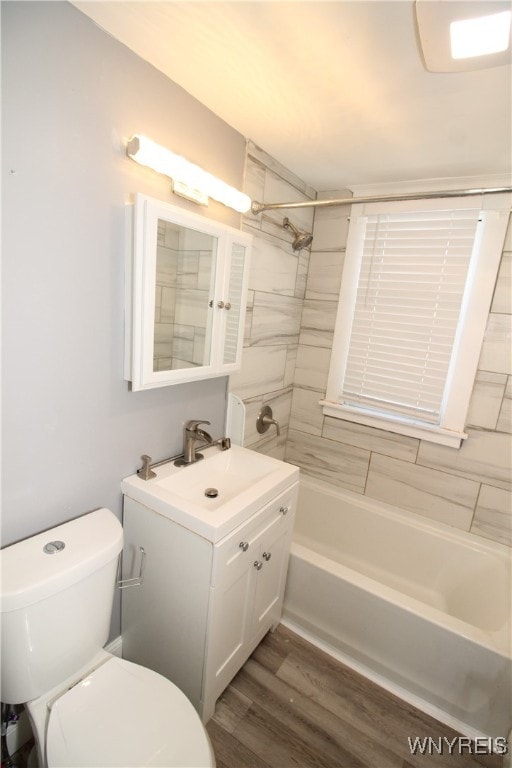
[227, 305]
[266, 556]
[244, 546]
[258, 565]
[284, 510]
[220, 304]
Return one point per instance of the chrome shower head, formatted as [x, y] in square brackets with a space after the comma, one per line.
[302, 239]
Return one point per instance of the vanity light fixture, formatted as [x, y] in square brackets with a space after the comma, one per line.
[464, 35]
[189, 180]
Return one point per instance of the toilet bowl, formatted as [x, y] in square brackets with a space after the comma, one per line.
[87, 708]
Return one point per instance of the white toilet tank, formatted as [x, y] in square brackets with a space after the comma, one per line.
[56, 599]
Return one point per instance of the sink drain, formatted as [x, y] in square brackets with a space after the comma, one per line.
[211, 493]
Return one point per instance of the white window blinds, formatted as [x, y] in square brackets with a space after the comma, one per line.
[412, 277]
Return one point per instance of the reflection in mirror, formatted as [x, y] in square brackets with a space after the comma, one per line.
[185, 276]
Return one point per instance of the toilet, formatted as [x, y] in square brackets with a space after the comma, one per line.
[87, 707]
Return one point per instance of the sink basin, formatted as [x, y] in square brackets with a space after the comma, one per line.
[214, 495]
[219, 478]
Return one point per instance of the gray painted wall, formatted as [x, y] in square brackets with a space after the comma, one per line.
[71, 428]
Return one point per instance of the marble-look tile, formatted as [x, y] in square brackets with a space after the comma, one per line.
[507, 245]
[199, 347]
[182, 352]
[275, 446]
[486, 399]
[254, 186]
[253, 406]
[167, 304]
[505, 416]
[191, 307]
[168, 234]
[493, 515]
[162, 364]
[194, 240]
[166, 266]
[248, 318]
[263, 370]
[204, 274]
[163, 340]
[188, 269]
[496, 355]
[158, 302]
[427, 492]
[502, 299]
[377, 440]
[258, 154]
[335, 194]
[336, 463]
[291, 360]
[280, 402]
[312, 368]
[485, 456]
[318, 320]
[275, 319]
[324, 276]
[279, 190]
[331, 226]
[306, 415]
[302, 273]
[273, 269]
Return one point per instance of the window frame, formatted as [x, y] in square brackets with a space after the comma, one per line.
[476, 302]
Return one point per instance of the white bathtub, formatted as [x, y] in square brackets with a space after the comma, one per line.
[420, 607]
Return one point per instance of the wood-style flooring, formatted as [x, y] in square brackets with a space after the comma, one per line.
[293, 706]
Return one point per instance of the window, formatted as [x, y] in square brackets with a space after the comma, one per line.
[415, 295]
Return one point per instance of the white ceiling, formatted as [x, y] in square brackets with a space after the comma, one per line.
[336, 91]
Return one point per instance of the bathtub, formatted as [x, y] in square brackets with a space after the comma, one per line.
[419, 607]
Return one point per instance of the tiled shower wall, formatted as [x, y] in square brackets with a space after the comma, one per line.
[470, 487]
[291, 314]
[277, 286]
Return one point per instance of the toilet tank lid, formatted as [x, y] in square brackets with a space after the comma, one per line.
[29, 573]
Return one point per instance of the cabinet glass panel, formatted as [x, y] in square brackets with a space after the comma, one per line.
[185, 274]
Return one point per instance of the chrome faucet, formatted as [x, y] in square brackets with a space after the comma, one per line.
[192, 433]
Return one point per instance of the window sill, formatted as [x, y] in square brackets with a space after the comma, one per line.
[432, 434]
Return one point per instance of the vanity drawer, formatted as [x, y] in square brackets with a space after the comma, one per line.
[237, 551]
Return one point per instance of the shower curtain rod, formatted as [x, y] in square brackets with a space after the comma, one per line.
[260, 207]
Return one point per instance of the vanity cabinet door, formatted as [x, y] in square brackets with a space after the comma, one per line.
[247, 592]
[232, 599]
[270, 577]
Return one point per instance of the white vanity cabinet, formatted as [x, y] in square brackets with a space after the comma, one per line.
[204, 606]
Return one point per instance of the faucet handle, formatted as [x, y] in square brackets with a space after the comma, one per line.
[265, 419]
[193, 424]
[145, 471]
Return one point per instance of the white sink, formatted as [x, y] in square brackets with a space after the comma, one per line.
[219, 477]
[214, 495]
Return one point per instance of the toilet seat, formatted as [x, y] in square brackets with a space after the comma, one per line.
[122, 715]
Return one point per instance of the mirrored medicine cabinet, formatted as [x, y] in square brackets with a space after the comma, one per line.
[186, 291]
